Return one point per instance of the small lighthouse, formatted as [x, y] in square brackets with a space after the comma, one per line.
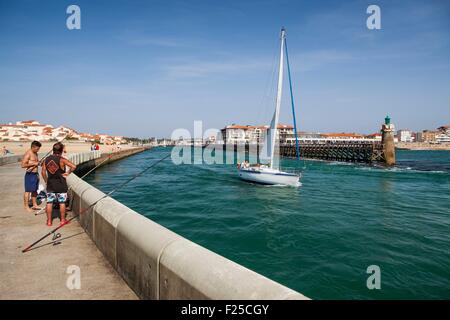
[387, 131]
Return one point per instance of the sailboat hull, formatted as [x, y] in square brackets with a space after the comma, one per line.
[270, 177]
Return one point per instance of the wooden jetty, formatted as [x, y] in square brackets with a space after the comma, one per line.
[346, 151]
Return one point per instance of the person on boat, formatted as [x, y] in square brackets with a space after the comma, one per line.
[30, 163]
[246, 164]
[54, 174]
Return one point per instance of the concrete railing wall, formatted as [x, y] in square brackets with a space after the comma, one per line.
[10, 159]
[76, 158]
[160, 264]
[79, 158]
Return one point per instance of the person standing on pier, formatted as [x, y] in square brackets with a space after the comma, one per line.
[54, 174]
[30, 162]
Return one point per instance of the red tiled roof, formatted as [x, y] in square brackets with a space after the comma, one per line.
[236, 126]
[343, 134]
[258, 127]
[265, 127]
[285, 126]
[374, 135]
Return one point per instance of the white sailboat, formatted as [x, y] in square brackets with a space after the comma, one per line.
[270, 173]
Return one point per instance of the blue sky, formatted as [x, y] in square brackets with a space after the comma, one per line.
[145, 68]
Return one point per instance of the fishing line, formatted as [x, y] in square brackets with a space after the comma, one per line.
[93, 204]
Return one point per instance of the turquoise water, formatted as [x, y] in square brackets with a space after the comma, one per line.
[318, 239]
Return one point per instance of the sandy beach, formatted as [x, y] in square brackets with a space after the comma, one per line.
[19, 148]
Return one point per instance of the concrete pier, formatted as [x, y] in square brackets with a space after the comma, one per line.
[41, 273]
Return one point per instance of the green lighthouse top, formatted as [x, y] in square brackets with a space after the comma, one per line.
[387, 120]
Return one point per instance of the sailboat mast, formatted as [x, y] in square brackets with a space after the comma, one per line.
[278, 100]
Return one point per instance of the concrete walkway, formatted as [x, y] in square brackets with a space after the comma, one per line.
[41, 273]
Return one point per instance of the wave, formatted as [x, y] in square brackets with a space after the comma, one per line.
[400, 170]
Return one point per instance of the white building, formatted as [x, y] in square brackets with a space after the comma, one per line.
[28, 123]
[241, 134]
[32, 130]
[405, 136]
[444, 135]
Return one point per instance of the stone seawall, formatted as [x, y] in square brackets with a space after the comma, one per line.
[10, 159]
[84, 165]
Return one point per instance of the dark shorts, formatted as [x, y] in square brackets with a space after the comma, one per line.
[31, 182]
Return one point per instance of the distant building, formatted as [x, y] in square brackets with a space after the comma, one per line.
[374, 136]
[28, 123]
[87, 137]
[342, 136]
[30, 130]
[304, 137]
[240, 134]
[165, 142]
[405, 136]
[427, 136]
[444, 135]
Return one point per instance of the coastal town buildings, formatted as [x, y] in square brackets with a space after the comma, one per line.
[405, 136]
[239, 134]
[427, 136]
[30, 130]
[439, 136]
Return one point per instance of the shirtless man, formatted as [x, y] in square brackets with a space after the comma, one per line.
[30, 163]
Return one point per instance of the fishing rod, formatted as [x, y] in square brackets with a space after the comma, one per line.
[41, 211]
[46, 155]
[93, 204]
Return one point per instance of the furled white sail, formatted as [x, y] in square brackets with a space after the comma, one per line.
[266, 150]
[269, 150]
